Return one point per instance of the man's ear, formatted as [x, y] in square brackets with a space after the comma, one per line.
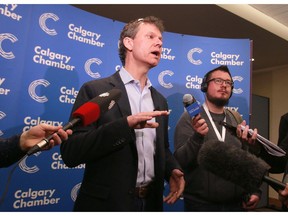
[128, 43]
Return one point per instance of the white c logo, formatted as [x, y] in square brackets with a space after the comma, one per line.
[74, 191]
[2, 115]
[190, 56]
[27, 169]
[42, 23]
[13, 39]
[32, 93]
[239, 90]
[161, 76]
[87, 67]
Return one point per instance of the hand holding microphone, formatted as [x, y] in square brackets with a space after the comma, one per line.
[193, 108]
[36, 133]
[84, 115]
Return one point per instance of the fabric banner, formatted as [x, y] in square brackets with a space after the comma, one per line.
[48, 51]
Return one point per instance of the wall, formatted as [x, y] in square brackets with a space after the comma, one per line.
[273, 83]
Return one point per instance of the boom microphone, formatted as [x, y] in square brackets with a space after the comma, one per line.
[236, 165]
[86, 114]
[191, 105]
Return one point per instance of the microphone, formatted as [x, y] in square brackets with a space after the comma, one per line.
[270, 147]
[236, 165]
[86, 114]
[191, 105]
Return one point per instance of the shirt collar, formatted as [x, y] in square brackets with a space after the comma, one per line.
[127, 78]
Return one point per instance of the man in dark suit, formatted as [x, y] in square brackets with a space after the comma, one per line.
[15, 147]
[126, 151]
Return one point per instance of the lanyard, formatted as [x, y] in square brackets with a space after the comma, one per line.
[220, 138]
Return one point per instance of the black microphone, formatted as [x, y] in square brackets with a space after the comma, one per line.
[191, 105]
[86, 114]
[236, 165]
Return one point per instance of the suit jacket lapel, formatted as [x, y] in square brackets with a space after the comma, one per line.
[123, 102]
[155, 99]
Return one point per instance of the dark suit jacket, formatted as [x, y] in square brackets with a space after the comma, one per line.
[108, 149]
[10, 151]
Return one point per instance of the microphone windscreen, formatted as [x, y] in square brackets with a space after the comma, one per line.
[90, 112]
[233, 164]
[188, 99]
[191, 105]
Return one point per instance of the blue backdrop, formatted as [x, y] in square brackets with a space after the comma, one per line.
[48, 51]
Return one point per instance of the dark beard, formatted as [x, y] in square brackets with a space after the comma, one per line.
[217, 102]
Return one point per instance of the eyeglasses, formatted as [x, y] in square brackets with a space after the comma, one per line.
[220, 81]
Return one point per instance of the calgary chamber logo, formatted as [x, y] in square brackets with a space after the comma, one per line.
[51, 58]
[88, 70]
[13, 39]
[166, 54]
[9, 10]
[161, 79]
[42, 22]
[216, 58]
[31, 198]
[221, 58]
[67, 95]
[193, 82]
[80, 34]
[192, 56]
[3, 91]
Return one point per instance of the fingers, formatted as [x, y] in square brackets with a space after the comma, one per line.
[177, 184]
[56, 140]
[63, 135]
[151, 125]
[142, 120]
[47, 127]
[245, 133]
[156, 113]
[172, 197]
[58, 137]
[200, 126]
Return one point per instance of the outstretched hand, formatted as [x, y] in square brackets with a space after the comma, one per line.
[145, 119]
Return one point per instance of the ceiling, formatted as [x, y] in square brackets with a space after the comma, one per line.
[270, 40]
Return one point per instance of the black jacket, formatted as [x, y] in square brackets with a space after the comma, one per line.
[10, 151]
[108, 149]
